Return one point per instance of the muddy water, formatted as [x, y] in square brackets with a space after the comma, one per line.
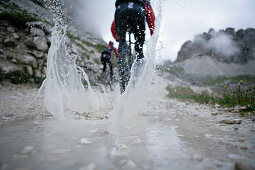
[169, 135]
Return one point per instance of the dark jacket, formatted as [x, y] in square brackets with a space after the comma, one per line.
[150, 17]
[120, 1]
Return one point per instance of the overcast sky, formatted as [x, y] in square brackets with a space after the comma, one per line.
[182, 19]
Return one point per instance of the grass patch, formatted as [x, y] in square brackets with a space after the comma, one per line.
[228, 99]
[39, 80]
[185, 93]
[18, 19]
[15, 15]
[97, 61]
[219, 81]
[18, 77]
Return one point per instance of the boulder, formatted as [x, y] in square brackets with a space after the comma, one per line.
[1, 52]
[10, 43]
[38, 43]
[38, 73]
[226, 46]
[30, 60]
[15, 36]
[37, 54]
[10, 29]
[8, 68]
[37, 32]
[29, 70]
[42, 25]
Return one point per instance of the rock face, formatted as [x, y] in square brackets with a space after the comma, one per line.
[23, 49]
[225, 46]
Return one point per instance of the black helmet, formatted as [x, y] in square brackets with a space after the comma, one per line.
[111, 43]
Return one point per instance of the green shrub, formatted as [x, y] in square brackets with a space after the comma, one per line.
[228, 99]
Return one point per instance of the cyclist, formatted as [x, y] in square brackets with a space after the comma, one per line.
[107, 59]
[130, 16]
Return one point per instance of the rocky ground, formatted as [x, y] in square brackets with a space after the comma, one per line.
[177, 134]
[25, 39]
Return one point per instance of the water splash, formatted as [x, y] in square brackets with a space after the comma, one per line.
[134, 99]
[63, 88]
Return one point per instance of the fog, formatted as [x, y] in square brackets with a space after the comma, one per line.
[221, 43]
[182, 20]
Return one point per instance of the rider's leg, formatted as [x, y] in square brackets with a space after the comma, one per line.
[111, 71]
[121, 29]
[139, 33]
[104, 68]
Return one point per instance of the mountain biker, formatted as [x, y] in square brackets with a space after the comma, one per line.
[130, 16]
[107, 59]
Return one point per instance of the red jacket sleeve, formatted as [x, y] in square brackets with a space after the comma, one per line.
[117, 54]
[114, 34]
[150, 17]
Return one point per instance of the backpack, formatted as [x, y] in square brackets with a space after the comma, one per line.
[107, 50]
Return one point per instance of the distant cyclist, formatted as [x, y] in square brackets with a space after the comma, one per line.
[107, 59]
[130, 16]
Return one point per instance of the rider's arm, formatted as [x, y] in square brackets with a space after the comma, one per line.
[150, 17]
[117, 54]
[114, 34]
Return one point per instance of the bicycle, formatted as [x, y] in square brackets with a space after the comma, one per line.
[106, 77]
[126, 65]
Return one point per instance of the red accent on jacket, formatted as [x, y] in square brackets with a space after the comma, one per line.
[114, 50]
[114, 33]
[150, 17]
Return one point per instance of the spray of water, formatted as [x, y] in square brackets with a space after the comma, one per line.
[63, 88]
[134, 99]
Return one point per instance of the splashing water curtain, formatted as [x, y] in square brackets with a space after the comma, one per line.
[63, 88]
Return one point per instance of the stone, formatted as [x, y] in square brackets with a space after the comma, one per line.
[37, 54]
[85, 141]
[10, 29]
[128, 164]
[238, 121]
[40, 61]
[236, 157]
[36, 32]
[91, 166]
[61, 151]
[15, 36]
[44, 70]
[29, 70]
[1, 52]
[48, 39]
[14, 61]
[244, 147]
[9, 68]
[42, 25]
[39, 43]
[214, 113]
[10, 43]
[197, 157]
[235, 121]
[243, 166]
[27, 150]
[38, 73]
[8, 114]
[28, 59]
